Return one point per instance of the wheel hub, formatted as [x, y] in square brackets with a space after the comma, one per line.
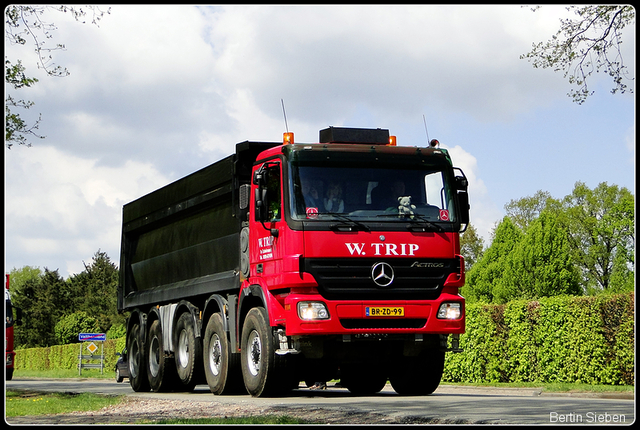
[254, 356]
[183, 349]
[215, 354]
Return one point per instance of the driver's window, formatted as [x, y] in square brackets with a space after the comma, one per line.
[273, 193]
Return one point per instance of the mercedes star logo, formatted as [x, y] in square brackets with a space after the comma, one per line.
[382, 274]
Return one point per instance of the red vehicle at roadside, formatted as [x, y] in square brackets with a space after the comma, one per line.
[8, 331]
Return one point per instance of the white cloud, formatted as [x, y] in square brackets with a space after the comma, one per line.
[393, 58]
[59, 204]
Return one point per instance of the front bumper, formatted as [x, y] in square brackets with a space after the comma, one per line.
[353, 317]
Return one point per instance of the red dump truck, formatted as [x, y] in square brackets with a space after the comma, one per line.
[292, 262]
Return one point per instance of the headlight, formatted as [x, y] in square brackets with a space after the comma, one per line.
[449, 311]
[309, 311]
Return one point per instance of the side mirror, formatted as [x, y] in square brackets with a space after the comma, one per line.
[260, 179]
[462, 185]
[463, 204]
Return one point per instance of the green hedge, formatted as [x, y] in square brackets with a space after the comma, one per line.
[555, 339]
[65, 356]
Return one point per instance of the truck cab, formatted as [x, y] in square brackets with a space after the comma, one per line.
[356, 241]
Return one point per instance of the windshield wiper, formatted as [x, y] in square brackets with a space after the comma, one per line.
[417, 219]
[422, 219]
[346, 219]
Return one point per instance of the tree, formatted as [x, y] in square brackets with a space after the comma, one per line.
[601, 230]
[44, 299]
[23, 24]
[587, 44]
[486, 278]
[23, 283]
[525, 210]
[16, 129]
[70, 326]
[95, 290]
[471, 246]
[541, 264]
[20, 276]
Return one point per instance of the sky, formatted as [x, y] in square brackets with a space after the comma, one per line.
[158, 92]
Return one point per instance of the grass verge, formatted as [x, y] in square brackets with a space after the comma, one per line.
[20, 403]
[65, 373]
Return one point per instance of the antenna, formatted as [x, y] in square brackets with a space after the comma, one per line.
[425, 127]
[432, 143]
[285, 116]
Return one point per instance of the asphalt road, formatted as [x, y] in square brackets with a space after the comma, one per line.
[449, 404]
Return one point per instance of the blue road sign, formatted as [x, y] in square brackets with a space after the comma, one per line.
[83, 337]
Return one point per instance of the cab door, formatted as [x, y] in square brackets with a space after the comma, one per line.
[267, 220]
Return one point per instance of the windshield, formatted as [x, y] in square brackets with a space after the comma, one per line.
[325, 190]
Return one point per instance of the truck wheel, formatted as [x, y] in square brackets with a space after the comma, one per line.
[137, 372]
[261, 367]
[188, 352]
[159, 368]
[221, 367]
[363, 379]
[418, 376]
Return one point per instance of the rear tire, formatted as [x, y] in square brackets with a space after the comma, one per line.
[188, 354]
[221, 367]
[418, 376]
[160, 371]
[137, 361]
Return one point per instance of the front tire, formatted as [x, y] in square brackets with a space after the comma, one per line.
[188, 352]
[418, 376]
[363, 379]
[263, 371]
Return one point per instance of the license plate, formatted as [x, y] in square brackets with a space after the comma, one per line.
[384, 311]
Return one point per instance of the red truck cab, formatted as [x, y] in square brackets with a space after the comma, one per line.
[357, 244]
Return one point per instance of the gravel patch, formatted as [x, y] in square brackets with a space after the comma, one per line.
[135, 410]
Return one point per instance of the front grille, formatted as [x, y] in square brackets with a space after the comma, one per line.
[351, 279]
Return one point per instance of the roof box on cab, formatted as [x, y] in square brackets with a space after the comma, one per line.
[375, 136]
